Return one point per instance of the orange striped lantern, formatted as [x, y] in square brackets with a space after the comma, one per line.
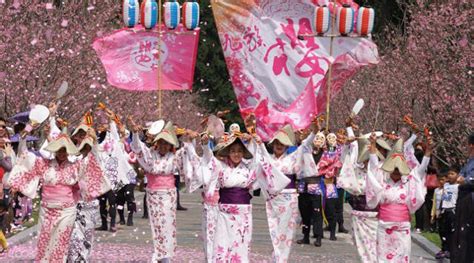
[345, 20]
[322, 19]
[365, 20]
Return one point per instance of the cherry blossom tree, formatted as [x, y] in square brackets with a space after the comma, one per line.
[43, 43]
[426, 71]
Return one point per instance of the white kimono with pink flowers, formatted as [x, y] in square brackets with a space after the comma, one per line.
[161, 194]
[234, 221]
[396, 201]
[282, 210]
[114, 159]
[87, 215]
[62, 185]
[352, 178]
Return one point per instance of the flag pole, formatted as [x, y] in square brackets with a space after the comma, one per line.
[329, 82]
[160, 113]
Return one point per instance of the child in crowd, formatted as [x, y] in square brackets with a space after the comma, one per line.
[447, 216]
[437, 195]
[436, 208]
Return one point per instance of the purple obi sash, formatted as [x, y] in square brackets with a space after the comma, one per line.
[359, 203]
[234, 195]
[292, 184]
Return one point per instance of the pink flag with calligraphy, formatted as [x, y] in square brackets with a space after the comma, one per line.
[277, 76]
[130, 58]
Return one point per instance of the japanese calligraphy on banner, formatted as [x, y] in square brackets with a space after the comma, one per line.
[277, 76]
[130, 58]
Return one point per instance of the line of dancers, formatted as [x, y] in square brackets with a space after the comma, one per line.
[303, 173]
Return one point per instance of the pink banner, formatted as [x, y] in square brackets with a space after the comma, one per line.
[130, 58]
[276, 75]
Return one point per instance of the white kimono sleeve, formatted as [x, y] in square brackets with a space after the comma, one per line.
[348, 175]
[416, 185]
[26, 174]
[191, 168]
[374, 185]
[269, 178]
[211, 168]
[143, 153]
[409, 152]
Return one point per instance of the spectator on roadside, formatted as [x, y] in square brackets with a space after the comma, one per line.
[447, 213]
[463, 240]
[436, 206]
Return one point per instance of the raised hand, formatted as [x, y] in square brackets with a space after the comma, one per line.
[53, 107]
[251, 124]
[373, 143]
[204, 139]
[408, 119]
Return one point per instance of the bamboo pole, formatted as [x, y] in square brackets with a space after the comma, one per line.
[160, 111]
[329, 82]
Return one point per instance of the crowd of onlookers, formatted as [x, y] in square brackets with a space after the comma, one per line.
[15, 210]
[449, 193]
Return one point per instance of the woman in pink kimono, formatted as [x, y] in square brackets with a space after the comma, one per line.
[398, 191]
[234, 176]
[62, 182]
[160, 164]
[282, 209]
[352, 178]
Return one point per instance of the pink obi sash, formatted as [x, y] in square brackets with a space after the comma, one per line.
[394, 213]
[160, 182]
[60, 193]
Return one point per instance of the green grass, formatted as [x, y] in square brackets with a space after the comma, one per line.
[432, 237]
[34, 215]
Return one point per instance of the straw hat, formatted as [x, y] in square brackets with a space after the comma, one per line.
[285, 136]
[364, 149]
[87, 141]
[62, 141]
[396, 159]
[81, 127]
[225, 147]
[168, 134]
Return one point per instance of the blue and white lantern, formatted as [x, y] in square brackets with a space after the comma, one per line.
[172, 14]
[149, 13]
[131, 12]
[191, 15]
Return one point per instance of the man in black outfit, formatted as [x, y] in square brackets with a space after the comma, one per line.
[126, 195]
[310, 205]
[339, 207]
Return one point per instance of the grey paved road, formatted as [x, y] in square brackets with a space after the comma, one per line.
[133, 244]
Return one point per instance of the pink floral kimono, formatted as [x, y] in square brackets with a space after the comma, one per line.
[61, 187]
[352, 178]
[161, 194]
[197, 174]
[282, 209]
[233, 230]
[396, 201]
